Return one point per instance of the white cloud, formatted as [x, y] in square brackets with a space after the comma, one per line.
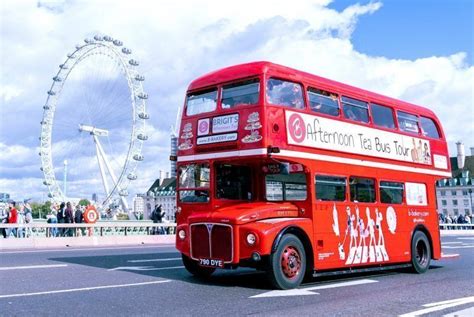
[177, 41]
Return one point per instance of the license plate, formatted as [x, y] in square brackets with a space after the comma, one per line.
[211, 262]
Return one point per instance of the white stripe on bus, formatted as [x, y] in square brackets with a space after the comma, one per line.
[320, 157]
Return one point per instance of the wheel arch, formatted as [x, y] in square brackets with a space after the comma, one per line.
[305, 240]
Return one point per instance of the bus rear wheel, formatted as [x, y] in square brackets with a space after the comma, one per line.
[287, 265]
[195, 269]
[420, 252]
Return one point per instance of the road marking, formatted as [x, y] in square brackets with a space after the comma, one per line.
[144, 268]
[461, 313]
[7, 268]
[153, 260]
[458, 247]
[83, 289]
[308, 290]
[87, 249]
[449, 256]
[432, 307]
[445, 243]
[470, 238]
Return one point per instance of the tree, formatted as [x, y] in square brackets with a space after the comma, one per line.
[84, 202]
[39, 210]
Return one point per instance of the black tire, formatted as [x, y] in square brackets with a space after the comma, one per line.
[195, 269]
[287, 265]
[420, 252]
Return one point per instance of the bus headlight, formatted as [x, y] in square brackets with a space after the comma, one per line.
[251, 238]
[182, 234]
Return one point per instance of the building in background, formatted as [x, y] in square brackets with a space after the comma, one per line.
[454, 195]
[139, 204]
[161, 192]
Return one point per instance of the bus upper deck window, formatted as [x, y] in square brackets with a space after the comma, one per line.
[284, 93]
[242, 93]
[382, 116]
[201, 102]
[323, 102]
[407, 122]
[355, 110]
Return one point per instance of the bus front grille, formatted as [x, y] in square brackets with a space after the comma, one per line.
[210, 240]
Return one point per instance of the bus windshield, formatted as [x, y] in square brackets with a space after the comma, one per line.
[233, 182]
[194, 183]
[200, 102]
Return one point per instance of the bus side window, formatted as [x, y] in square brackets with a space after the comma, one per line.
[391, 192]
[362, 189]
[382, 116]
[284, 93]
[355, 110]
[407, 122]
[323, 102]
[330, 188]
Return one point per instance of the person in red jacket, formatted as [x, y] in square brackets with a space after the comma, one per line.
[12, 216]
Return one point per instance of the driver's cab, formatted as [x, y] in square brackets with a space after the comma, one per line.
[223, 183]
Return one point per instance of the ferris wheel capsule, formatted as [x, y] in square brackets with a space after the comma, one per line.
[51, 93]
[144, 115]
[71, 55]
[78, 46]
[118, 43]
[98, 38]
[138, 157]
[123, 192]
[57, 79]
[46, 107]
[132, 176]
[46, 183]
[63, 66]
[41, 168]
[142, 137]
[142, 95]
[108, 38]
[133, 62]
[126, 50]
[139, 78]
[88, 41]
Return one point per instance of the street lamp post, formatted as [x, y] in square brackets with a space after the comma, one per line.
[470, 199]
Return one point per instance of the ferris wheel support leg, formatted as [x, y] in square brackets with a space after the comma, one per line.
[101, 167]
[112, 174]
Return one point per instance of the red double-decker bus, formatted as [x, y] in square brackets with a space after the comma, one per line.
[299, 175]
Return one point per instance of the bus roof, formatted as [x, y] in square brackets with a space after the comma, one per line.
[232, 73]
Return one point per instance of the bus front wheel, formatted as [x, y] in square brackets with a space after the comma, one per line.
[287, 265]
[420, 252]
[195, 269]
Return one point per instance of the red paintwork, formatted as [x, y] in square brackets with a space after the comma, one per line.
[314, 218]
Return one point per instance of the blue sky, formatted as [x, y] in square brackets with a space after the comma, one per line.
[419, 51]
[411, 29]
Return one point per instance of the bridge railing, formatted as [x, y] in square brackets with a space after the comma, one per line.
[456, 226]
[101, 228]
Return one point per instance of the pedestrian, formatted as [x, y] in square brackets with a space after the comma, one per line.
[28, 220]
[51, 218]
[61, 218]
[3, 219]
[69, 218]
[157, 217]
[12, 217]
[79, 218]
